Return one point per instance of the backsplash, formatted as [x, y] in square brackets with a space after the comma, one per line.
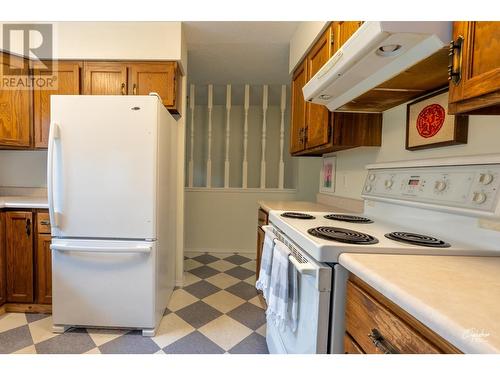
[26, 169]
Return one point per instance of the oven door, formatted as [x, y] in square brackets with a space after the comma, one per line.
[311, 336]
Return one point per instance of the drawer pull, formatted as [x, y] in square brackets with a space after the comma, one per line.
[381, 343]
[44, 222]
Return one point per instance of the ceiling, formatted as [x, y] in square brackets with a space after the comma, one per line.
[238, 53]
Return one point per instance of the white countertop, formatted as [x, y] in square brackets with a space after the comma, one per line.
[23, 202]
[456, 297]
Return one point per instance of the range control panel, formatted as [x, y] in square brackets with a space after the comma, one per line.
[473, 187]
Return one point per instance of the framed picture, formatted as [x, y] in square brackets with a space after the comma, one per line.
[327, 177]
[428, 123]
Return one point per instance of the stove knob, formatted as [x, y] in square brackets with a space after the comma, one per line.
[440, 185]
[479, 197]
[371, 177]
[388, 183]
[485, 178]
[368, 188]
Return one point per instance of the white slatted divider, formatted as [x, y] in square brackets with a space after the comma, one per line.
[265, 92]
[191, 155]
[209, 148]
[281, 176]
[228, 130]
[244, 184]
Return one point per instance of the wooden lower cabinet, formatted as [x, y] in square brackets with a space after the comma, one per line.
[43, 269]
[351, 346]
[375, 325]
[19, 256]
[263, 219]
[3, 263]
[25, 261]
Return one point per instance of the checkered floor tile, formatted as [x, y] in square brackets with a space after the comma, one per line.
[217, 311]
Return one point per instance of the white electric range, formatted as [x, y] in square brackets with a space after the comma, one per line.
[447, 206]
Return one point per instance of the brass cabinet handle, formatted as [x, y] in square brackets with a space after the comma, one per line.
[123, 89]
[45, 222]
[28, 227]
[381, 343]
[455, 73]
[134, 89]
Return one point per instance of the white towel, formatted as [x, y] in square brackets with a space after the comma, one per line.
[266, 262]
[293, 298]
[277, 303]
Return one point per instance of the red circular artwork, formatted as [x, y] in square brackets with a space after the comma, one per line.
[430, 120]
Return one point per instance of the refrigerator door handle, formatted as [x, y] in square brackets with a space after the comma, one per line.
[53, 135]
[140, 249]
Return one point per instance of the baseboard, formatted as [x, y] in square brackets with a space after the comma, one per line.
[28, 308]
[250, 253]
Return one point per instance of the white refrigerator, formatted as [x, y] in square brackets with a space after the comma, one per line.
[112, 180]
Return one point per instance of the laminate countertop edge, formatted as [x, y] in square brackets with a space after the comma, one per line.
[383, 273]
[23, 202]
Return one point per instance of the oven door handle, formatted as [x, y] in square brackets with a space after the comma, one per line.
[303, 269]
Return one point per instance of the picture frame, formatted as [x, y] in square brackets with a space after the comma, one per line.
[429, 125]
[327, 175]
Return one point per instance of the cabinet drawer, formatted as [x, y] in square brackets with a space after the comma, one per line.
[262, 217]
[366, 317]
[43, 222]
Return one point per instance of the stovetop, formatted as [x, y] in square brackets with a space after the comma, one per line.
[326, 250]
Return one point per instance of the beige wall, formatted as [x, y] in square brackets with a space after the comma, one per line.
[23, 168]
[484, 138]
[302, 39]
[226, 221]
[116, 41]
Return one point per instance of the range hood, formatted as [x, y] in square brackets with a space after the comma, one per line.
[376, 53]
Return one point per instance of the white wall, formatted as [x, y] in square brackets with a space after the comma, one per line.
[226, 221]
[302, 39]
[116, 41]
[23, 168]
[484, 138]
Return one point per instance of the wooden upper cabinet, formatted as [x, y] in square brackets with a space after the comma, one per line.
[317, 116]
[155, 77]
[342, 30]
[105, 78]
[475, 84]
[68, 83]
[19, 256]
[298, 109]
[15, 110]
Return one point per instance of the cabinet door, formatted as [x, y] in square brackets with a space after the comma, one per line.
[19, 248]
[478, 63]
[15, 110]
[68, 83]
[44, 269]
[298, 109]
[154, 77]
[260, 246]
[105, 78]
[3, 263]
[342, 30]
[317, 117]
[351, 346]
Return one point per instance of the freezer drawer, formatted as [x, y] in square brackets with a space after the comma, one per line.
[104, 283]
